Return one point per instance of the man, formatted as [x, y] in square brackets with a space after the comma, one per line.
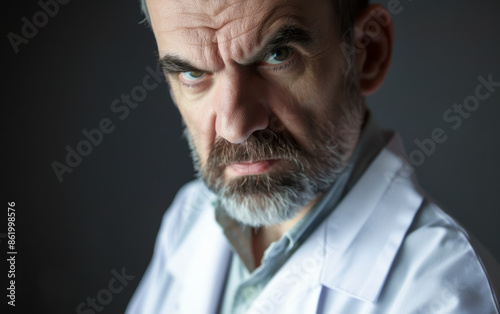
[305, 205]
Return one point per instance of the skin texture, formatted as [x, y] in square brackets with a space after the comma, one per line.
[237, 93]
[221, 40]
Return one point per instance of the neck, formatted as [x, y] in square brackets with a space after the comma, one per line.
[263, 237]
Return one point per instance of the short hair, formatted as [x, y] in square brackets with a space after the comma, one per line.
[345, 11]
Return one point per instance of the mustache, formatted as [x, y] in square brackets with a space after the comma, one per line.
[261, 145]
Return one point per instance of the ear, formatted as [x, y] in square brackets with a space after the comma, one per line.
[373, 38]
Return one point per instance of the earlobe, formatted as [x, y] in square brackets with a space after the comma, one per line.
[373, 38]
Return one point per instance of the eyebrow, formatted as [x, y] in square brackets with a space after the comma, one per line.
[287, 34]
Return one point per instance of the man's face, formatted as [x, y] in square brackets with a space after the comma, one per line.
[270, 109]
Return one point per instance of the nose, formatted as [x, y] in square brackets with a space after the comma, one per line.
[240, 106]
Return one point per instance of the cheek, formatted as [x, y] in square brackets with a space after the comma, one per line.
[200, 123]
[295, 113]
[307, 104]
[320, 90]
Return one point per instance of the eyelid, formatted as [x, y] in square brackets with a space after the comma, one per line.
[280, 66]
[291, 52]
[203, 74]
[194, 83]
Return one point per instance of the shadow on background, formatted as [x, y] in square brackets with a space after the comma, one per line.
[76, 238]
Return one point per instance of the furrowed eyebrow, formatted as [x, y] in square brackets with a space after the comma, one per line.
[174, 64]
[287, 34]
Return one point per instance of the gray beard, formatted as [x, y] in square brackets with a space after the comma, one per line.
[275, 197]
[279, 203]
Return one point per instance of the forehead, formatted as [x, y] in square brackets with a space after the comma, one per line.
[204, 29]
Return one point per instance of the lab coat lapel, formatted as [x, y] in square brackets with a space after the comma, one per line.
[367, 228]
[353, 250]
[199, 266]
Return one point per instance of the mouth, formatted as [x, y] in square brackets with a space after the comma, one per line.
[251, 167]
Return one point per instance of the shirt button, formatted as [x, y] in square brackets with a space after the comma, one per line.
[249, 292]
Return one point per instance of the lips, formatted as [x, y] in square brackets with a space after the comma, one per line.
[251, 167]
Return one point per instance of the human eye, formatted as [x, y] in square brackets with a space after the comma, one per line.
[278, 56]
[194, 80]
[191, 76]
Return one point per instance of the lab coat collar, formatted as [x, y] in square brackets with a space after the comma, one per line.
[353, 250]
[365, 231]
[201, 261]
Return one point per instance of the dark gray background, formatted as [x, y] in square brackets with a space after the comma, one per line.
[106, 213]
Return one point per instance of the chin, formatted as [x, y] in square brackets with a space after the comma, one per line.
[265, 200]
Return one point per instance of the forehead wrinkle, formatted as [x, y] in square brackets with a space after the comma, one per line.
[230, 28]
[209, 7]
[183, 16]
[240, 53]
[225, 36]
[206, 37]
[249, 51]
[243, 50]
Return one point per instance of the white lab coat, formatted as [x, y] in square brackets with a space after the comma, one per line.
[384, 249]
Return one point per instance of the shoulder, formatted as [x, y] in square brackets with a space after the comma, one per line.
[190, 198]
[189, 203]
[441, 268]
[437, 266]
[433, 229]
